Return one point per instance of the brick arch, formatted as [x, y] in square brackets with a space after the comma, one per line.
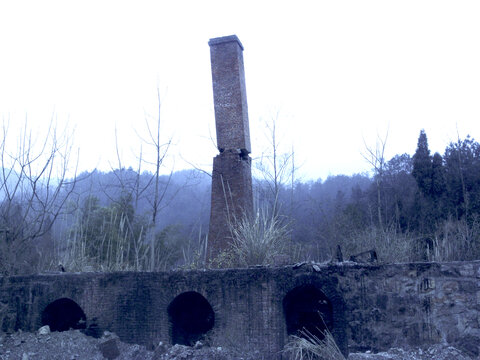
[64, 314]
[323, 289]
[307, 311]
[191, 317]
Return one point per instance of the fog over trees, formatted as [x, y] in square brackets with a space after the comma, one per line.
[413, 208]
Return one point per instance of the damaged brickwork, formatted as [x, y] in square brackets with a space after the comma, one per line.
[366, 306]
[232, 196]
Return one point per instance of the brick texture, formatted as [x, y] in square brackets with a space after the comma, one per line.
[374, 307]
[232, 196]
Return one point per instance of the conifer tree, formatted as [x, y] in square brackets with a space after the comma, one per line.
[438, 176]
[422, 165]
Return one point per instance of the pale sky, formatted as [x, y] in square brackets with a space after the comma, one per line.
[335, 74]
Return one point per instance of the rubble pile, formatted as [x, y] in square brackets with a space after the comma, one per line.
[75, 345]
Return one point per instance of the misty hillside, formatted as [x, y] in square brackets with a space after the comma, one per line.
[410, 208]
[185, 195]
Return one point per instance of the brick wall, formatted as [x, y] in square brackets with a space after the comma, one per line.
[375, 307]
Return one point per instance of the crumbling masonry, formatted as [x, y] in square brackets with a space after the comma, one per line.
[232, 196]
[365, 306]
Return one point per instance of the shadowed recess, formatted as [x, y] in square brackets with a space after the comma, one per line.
[191, 317]
[306, 308]
[64, 314]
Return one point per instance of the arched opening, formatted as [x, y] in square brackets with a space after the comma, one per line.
[64, 314]
[307, 309]
[191, 317]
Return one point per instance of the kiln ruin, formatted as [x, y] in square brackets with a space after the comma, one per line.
[365, 306]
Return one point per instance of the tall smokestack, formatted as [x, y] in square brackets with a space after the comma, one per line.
[232, 196]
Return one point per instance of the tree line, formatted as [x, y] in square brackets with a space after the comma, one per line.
[412, 208]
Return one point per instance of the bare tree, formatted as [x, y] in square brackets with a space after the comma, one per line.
[275, 167]
[144, 193]
[34, 187]
[161, 150]
[376, 158]
[162, 194]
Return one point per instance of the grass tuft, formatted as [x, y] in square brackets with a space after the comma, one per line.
[309, 347]
[257, 240]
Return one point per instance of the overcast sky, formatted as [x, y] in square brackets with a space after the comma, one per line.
[335, 74]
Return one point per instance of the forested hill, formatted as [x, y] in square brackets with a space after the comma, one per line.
[410, 208]
[419, 207]
[413, 207]
[184, 196]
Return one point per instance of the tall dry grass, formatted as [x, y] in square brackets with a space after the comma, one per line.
[119, 246]
[391, 245]
[456, 240]
[310, 347]
[114, 249]
[258, 239]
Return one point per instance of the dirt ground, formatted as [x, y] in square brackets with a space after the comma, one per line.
[74, 345]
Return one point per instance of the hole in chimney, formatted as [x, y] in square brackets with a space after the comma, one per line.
[191, 317]
[64, 314]
[307, 309]
[243, 154]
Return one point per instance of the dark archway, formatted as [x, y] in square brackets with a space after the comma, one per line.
[64, 314]
[306, 308]
[191, 317]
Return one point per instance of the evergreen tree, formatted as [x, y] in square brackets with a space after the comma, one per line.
[400, 191]
[422, 165]
[439, 208]
[462, 174]
[438, 177]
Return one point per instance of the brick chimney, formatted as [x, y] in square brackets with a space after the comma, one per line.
[232, 196]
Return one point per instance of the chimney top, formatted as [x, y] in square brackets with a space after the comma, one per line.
[225, 39]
